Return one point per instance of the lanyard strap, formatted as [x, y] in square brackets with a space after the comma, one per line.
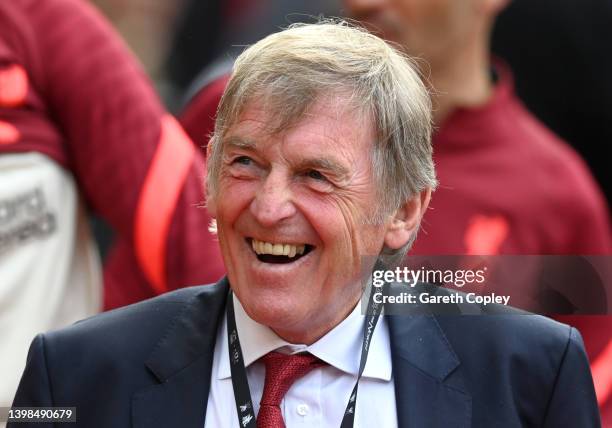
[242, 393]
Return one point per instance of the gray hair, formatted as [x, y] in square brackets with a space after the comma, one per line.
[290, 70]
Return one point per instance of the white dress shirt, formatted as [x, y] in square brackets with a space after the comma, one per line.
[319, 398]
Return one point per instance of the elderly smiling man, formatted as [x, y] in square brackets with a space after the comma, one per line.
[321, 157]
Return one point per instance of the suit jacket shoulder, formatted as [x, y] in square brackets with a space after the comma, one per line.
[125, 330]
[473, 365]
[106, 364]
[537, 365]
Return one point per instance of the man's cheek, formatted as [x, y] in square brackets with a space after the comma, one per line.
[236, 195]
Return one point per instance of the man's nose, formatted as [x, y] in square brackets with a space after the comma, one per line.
[273, 201]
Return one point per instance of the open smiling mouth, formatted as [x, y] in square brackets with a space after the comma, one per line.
[268, 252]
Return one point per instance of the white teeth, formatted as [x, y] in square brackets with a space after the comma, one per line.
[289, 250]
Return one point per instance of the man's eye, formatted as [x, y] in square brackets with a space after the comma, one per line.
[316, 175]
[242, 160]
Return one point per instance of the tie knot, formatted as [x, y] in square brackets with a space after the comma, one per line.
[282, 371]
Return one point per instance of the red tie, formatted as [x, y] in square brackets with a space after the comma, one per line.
[281, 371]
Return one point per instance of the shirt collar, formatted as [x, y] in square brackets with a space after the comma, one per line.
[340, 347]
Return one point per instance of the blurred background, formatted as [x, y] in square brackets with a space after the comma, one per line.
[558, 52]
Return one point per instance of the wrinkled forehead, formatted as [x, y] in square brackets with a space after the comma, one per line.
[328, 121]
[273, 111]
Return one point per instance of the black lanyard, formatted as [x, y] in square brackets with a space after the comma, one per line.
[242, 393]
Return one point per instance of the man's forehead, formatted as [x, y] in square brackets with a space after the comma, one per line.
[328, 120]
[326, 139]
[301, 142]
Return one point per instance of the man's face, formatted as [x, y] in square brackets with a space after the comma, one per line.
[307, 192]
[430, 29]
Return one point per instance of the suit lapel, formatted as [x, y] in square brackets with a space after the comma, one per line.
[181, 363]
[428, 384]
[429, 387]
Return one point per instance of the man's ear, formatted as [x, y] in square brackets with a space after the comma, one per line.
[406, 220]
[211, 203]
[211, 207]
[209, 148]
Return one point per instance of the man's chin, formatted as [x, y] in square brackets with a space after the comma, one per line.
[273, 314]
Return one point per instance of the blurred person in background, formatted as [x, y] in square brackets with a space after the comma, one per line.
[559, 54]
[81, 129]
[559, 51]
[508, 185]
[512, 186]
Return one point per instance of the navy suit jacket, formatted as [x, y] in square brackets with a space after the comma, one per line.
[149, 365]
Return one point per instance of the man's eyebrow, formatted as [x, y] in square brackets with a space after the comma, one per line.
[326, 164]
[234, 142]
